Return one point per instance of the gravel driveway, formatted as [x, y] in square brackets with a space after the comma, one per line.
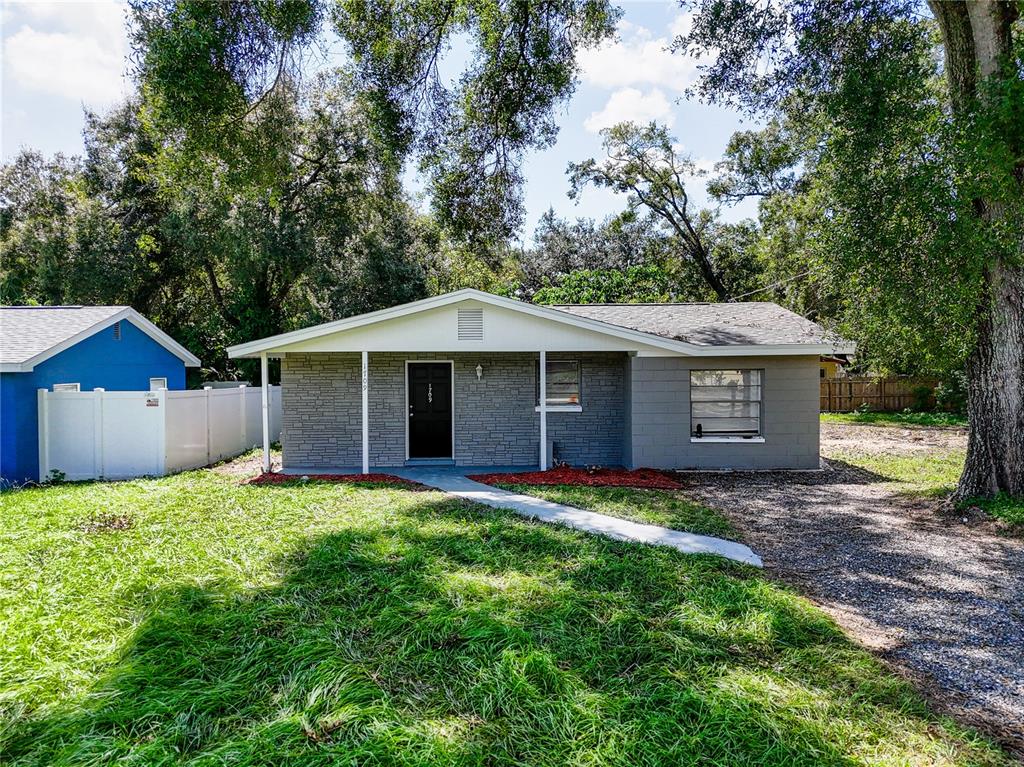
[941, 600]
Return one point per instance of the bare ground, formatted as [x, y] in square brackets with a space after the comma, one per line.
[868, 439]
[940, 600]
[248, 464]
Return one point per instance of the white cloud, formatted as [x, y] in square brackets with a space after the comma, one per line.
[74, 50]
[639, 58]
[681, 24]
[633, 105]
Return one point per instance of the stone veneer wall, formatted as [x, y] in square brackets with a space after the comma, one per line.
[495, 420]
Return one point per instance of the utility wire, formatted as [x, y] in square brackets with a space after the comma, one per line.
[773, 285]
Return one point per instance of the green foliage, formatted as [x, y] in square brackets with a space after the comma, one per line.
[1004, 507]
[756, 163]
[869, 187]
[634, 284]
[211, 73]
[211, 70]
[561, 247]
[212, 255]
[40, 201]
[452, 264]
[642, 162]
[192, 619]
[951, 393]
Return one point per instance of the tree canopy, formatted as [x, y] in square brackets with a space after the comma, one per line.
[209, 70]
[912, 166]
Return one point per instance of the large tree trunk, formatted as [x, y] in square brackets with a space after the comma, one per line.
[995, 398]
[978, 46]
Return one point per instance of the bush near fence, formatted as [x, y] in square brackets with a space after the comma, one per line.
[122, 434]
[884, 394]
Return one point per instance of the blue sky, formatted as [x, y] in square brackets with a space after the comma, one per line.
[59, 56]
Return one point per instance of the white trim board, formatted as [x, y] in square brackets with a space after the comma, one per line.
[127, 314]
[635, 339]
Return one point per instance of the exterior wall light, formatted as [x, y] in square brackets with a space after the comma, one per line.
[479, 372]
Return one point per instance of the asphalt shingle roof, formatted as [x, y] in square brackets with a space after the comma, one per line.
[753, 323]
[26, 331]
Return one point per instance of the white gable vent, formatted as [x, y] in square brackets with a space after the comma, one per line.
[471, 324]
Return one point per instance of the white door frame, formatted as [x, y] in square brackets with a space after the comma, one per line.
[405, 412]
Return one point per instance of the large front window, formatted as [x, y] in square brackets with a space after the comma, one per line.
[563, 382]
[725, 403]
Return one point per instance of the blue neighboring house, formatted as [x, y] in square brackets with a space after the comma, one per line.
[74, 347]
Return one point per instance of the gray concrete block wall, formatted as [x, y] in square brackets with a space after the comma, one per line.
[495, 421]
[595, 435]
[659, 415]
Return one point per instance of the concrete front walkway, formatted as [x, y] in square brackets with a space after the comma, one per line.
[455, 482]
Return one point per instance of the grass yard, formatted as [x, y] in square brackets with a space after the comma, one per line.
[193, 620]
[897, 419]
[928, 474]
[657, 507]
[932, 475]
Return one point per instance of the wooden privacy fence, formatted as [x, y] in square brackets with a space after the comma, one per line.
[892, 394]
[122, 434]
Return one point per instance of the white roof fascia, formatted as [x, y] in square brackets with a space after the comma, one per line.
[273, 343]
[128, 314]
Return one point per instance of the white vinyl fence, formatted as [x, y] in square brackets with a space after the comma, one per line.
[123, 434]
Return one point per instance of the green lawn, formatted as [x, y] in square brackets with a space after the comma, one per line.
[657, 507]
[897, 419]
[190, 620]
[931, 475]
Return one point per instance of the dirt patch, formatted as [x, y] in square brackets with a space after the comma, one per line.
[878, 439]
[106, 523]
[247, 465]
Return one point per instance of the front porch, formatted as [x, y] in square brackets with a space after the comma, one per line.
[349, 411]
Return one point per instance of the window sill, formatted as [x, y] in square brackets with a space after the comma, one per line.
[561, 409]
[747, 440]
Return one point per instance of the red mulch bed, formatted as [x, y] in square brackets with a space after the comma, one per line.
[650, 479]
[273, 478]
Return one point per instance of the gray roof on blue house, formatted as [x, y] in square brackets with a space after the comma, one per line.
[28, 333]
[746, 323]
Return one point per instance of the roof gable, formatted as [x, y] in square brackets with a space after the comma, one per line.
[32, 334]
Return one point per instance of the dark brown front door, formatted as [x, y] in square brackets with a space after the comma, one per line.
[430, 410]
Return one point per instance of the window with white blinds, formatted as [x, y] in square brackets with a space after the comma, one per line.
[725, 403]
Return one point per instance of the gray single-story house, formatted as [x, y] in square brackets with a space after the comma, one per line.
[456, 379]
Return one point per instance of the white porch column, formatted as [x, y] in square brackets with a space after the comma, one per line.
[265, 390]
[366, 412]
[543, 411]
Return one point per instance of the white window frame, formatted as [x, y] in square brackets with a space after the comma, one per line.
[740, 438]
[557, 406]
[158, 378]
[67, 387]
